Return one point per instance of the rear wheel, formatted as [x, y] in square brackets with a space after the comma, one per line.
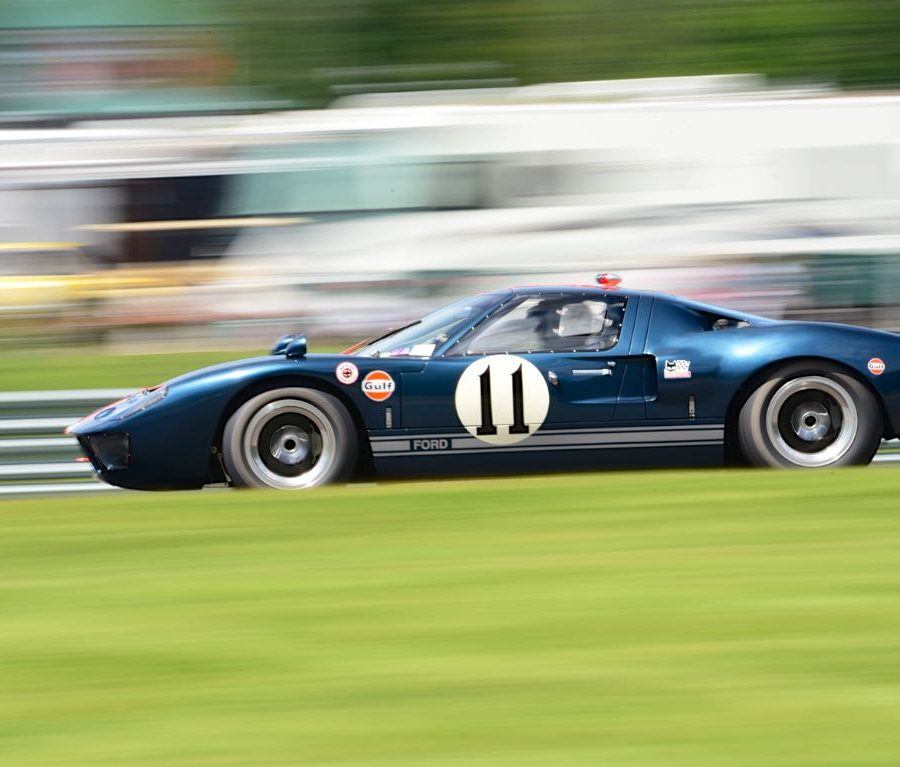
[289, 439]
[810, 418]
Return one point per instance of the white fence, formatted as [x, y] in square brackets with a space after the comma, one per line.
[35, 454]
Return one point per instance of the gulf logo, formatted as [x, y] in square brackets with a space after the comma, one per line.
[876, 366]
[378, 386]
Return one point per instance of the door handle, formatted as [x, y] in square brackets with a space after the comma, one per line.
[593, 372]
[553, 378]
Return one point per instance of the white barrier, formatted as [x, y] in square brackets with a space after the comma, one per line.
[35, 456]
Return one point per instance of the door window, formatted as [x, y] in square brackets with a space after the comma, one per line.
[540, 324]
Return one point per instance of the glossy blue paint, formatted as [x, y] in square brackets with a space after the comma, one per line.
[606, 408]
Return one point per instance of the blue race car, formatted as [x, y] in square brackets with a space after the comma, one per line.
[521, 380]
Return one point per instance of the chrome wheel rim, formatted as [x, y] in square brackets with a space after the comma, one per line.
[811, 421]
[290, 444]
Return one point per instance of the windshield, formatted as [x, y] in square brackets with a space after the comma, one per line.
[423, 337]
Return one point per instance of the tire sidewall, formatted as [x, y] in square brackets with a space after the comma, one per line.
[346, 438]
[755, 443]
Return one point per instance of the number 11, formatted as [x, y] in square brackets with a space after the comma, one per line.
[518, 425]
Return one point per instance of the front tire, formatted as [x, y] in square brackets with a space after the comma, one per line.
[810, 417]
[290, 439]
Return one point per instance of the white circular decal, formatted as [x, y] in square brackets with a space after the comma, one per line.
[346, 373]
[502, 399]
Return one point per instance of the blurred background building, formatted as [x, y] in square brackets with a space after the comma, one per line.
[219, 172]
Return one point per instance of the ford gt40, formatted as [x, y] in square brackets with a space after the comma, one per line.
[531, 379]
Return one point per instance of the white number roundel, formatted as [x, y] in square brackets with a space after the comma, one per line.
[502, 399]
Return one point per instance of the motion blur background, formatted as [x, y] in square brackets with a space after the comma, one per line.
[212, 173]
[202, 176]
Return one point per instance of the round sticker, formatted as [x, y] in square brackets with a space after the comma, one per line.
[502, 399]
[876, 366]
[378, 385]
[346, 373]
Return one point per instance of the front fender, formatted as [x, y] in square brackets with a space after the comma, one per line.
[171, 443]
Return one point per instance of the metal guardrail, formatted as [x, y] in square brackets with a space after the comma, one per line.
[35, 454]
[36, 457]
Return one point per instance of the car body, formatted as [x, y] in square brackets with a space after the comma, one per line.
[527, 379]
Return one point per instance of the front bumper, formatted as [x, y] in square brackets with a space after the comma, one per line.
[149, 443]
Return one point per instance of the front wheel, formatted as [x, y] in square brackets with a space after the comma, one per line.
[289, 439]
[810, 418]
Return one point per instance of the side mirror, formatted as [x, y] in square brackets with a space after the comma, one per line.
[281, 344]
[296, 348]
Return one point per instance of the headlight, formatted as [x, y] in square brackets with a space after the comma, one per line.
[141, 401]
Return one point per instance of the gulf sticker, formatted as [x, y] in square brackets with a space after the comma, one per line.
[876, 366]
[378, 386]
[346, 373]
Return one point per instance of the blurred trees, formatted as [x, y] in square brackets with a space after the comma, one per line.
[295, 46]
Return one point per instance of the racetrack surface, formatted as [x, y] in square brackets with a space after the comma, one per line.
[670, 618]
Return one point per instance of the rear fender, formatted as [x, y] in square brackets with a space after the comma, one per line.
[765, 373]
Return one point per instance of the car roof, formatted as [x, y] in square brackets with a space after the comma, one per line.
[606, 293]
[578, 290]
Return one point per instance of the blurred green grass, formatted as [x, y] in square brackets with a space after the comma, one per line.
[89, 369]
[675, 618]
[92, 369]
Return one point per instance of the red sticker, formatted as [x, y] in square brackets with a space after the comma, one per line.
[378, 385]
[346, 373]
[876, 366]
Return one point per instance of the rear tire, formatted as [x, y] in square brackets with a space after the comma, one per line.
[808, 416]
[290, 439]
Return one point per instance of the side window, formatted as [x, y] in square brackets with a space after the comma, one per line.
[548, 324]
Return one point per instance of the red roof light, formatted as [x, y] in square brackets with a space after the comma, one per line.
[608, 280]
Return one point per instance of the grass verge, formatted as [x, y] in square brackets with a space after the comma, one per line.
[95, 370]
[695, 618]
[90, 369]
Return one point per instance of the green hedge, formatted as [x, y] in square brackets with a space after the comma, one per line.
[855, 43]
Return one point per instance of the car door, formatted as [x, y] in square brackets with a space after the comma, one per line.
[543, 361]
